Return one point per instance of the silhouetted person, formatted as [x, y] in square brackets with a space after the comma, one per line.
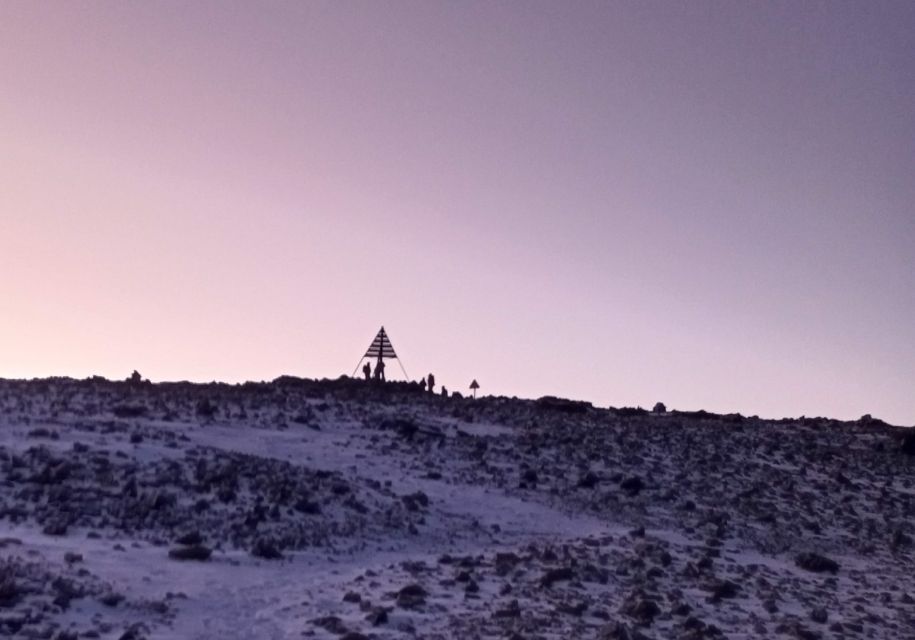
[431, 383]
[422, 384]
[379, 370]
[367, 371]
[444, 392]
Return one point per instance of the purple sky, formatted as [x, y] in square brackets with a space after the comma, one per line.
[707, 204]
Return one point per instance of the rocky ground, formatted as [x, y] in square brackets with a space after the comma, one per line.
[342, 509]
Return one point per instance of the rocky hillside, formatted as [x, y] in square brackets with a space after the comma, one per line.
[345, 509]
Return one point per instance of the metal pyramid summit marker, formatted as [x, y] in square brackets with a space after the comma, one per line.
[381, 347]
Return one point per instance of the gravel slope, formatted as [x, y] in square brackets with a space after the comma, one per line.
[341, 509]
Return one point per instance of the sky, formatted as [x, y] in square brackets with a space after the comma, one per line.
[708, 204]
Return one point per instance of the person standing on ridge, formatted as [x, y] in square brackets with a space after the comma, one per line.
[367, 371]
[379, 370]
[431, 383]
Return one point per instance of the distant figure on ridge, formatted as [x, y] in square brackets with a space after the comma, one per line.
[379, 370]
[444, 392]
[422, 384]
[431, 383]
[367, 371]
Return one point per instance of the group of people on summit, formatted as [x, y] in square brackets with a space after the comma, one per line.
[425, 383]
[379, 371]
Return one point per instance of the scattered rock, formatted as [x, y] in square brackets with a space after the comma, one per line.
[411, 597]
[513, 610]
[134, 632]
[266, 549]
[588, 481]
[196, 552]
[192, 538]
[56, 528]
[553, 576]
[907, 446]
[723, 590]
[632, 485]
[111, 599]
[333, 624]
[416, 501]
[640, 607]
[816, 563]
[377, 616]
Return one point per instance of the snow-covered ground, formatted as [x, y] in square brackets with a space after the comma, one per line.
[342, 509]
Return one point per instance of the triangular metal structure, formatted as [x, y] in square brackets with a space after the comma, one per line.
[381, 349]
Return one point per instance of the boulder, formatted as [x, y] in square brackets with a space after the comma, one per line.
[411, 596]
[907, 446]
[816, 563]
[196, 552]
[553, 576]
[632, 485]
[266, 549]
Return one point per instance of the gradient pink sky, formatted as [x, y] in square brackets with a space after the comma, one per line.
[707, 204]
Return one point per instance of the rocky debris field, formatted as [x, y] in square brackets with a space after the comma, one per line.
[202, 494]
[345, 509]
[37, 592]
